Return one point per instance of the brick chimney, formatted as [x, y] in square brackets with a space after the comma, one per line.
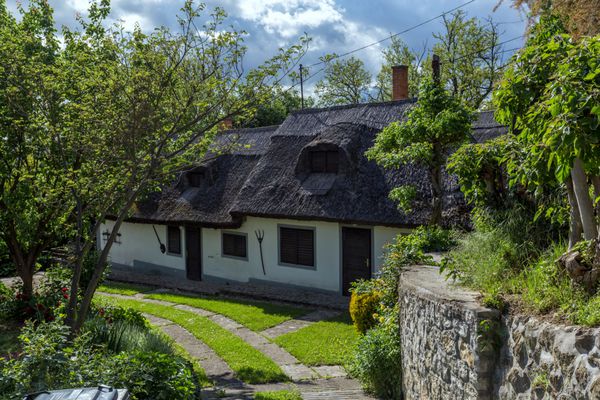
[226, 124]
[400, 82]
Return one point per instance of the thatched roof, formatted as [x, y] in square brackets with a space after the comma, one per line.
[224, 171]
[267, 174]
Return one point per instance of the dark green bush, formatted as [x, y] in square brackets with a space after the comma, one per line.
[377, 362]
[50, 361]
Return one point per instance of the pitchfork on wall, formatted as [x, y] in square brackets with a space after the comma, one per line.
[260, 235]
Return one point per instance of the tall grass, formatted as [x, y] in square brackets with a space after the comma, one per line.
[125, 336]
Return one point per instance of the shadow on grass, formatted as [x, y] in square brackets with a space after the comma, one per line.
[252, 376]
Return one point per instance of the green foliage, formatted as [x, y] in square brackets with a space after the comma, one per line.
[116, 313]
[50, 361]
[488, 261]
[378, 363]
[278, 107]
[98, 118]
[407, 250]
[550, 98]
[438, 119]
[345, 81]
[7, 304]
[470, 55]
[125, 336]
[437, 124]
[364, 308]
[404, 196]
[483, 259]
[478, 167]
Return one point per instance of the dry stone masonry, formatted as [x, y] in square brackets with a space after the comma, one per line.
[540, 360]
[453, 348]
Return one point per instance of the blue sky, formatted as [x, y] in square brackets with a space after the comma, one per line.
[334, 25]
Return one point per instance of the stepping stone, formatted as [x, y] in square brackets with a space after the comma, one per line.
[198, 311]
[298, 372]
[156, 321]
[293, 325]
[355, 394]
[331, 371]
[225, 322]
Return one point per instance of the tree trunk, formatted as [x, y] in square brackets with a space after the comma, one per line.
[596, 183]
[584, 201]
[437, 194]
[575, 228]
[23, 264]
[86, 301]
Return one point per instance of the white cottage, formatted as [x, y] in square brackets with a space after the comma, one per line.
[296, 204]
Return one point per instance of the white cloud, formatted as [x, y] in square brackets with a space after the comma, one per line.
[290, 18]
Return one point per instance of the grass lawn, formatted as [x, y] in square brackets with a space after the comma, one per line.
[278, 395]
[126, 289]
[254, 315]
[322, 343]
[249, 364]
[8, 337]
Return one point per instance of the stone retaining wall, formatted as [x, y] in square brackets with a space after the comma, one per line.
[540, 360]
[453, 348]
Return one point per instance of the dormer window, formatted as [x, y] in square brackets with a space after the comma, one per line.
[195, 178]
[324, 161]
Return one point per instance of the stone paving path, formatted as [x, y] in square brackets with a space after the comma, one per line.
[314, 383]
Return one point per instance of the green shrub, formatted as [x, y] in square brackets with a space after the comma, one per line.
[112, 313]
[50, 361]
[153, 376]
[377, 362]
[363, 309]
[123, 335]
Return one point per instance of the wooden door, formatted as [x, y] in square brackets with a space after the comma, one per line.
[356, 256]
[193, 253]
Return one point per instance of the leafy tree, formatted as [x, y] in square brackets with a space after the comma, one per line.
[398, 53]
[109, 117]
[281, 104]
[346, 81]
[437, 124]
[580, 17]
[550, 99]
[470, 56]
[34, 197]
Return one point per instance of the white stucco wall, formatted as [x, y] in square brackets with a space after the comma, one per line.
[139, 244]
[383, 235]
[324, 276]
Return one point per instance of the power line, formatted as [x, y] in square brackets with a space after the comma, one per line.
[488, 48]
[394, 35]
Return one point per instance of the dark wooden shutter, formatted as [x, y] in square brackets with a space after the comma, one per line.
[332, 162]
[173, 240]
[195, 178]
[318, 161]
[297, 246]
[234, 245]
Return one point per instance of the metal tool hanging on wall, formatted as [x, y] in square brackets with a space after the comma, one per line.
[260, 235]
[162, 246]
